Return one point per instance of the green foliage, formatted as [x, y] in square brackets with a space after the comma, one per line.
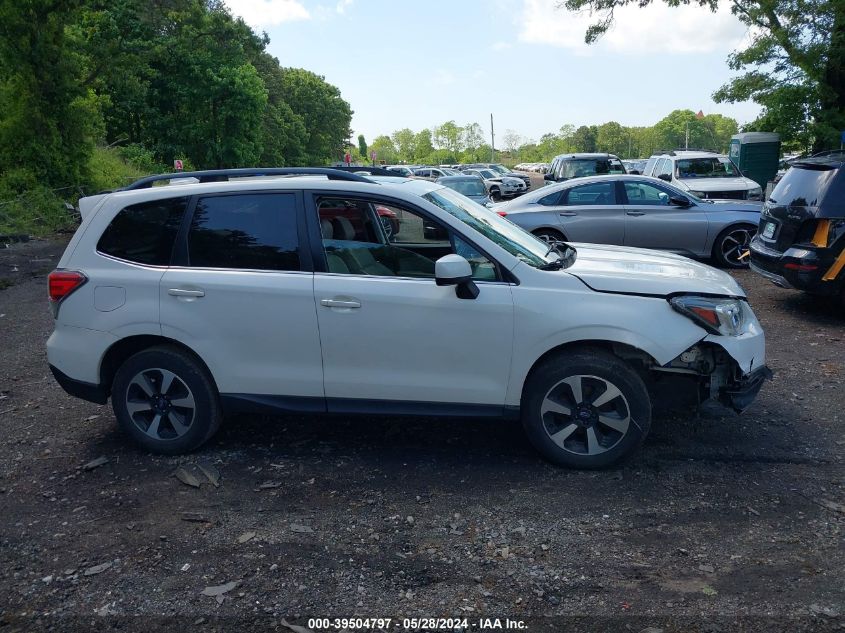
[362, 146]
[173, 79]
[37, 211]
[794, 66]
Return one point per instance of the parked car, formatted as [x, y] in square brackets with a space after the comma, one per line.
[708, 175]
[433, 173]
[402, 170]
[471, 186]
[183, 304]
[638, 211]
[800, 242]
[501, 170]
[498, 186]
[568, 166]
[634, 166]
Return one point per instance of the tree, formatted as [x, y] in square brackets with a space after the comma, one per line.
[512, 141]
[362, 146]
[448, 137]
[423, 145]
[385, 149]
[405, 143]
[49, 119]
[584, 139]
[794, 67]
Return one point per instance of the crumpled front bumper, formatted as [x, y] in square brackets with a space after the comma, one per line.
[740, 393]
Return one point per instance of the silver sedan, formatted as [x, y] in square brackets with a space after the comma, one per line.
[638, 211]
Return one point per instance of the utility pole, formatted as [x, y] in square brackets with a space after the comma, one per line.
[686, 142]
[492, 141]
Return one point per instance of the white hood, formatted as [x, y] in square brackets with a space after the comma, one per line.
[719, 184]
[640, 271]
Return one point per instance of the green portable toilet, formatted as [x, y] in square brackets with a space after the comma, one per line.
[757, 155]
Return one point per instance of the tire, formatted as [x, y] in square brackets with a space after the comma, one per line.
[495, 193]
[550, 235]
[731, 243]
[137, 401]
[585, 436]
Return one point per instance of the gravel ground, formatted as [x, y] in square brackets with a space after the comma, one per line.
[721, 523]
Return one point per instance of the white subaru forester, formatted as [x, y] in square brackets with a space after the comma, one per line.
[315, 290]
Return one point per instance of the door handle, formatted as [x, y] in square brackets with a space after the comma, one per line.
[183, 292]
[568, 213]
[340, 303]
[635, 213]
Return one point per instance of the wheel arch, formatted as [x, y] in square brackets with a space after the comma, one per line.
[631, 354]
[550, 227]
[121, 350]
[736, 224]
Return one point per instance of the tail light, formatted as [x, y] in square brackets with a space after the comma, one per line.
[502, 213]
[62, 283]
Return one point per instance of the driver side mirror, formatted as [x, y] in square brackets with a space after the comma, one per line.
[454, 270]
[549, 177]
[680, 201]
[666, 177]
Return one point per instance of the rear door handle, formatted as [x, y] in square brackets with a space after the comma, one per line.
[568, 213]
[635, 213]
[184, 292]
[340, 303]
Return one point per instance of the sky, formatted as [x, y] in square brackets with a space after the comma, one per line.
[418, 64]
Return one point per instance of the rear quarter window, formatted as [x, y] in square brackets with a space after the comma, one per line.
[144, 233]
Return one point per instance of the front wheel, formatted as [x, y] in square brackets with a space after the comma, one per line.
[495, 193]
[585, 409]
[165, 400]
[730, 250]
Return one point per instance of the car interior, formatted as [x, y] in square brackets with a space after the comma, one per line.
[358, 241]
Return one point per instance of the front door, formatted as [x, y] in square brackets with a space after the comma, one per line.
[590, 213]
[391, 337]
[651, 221]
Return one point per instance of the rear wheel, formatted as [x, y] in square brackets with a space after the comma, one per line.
[495, 193]
[585, 409]
[166, 401]
[550, 235]
[731, 246]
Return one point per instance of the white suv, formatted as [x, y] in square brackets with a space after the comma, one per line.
[707, 175]
[332, 292]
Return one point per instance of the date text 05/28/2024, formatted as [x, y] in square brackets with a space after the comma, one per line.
[416, 624]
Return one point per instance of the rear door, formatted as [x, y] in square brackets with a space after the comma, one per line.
[651, 221]
[241, 294]
[592, 213]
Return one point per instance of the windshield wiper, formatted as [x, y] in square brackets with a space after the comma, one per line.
[554, 265]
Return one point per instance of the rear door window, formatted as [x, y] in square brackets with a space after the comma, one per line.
[802, 187]
[596, 193]
[256, 231]
[144, 233]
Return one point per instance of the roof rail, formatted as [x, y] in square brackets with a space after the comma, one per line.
[223, 175]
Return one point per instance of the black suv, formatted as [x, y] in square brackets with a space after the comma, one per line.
[800, 241]
[568, 166]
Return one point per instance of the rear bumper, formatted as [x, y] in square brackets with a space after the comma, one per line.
[80, 389]
[739, 394]
[799, 267]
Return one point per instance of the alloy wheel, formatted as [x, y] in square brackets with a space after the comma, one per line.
[735, 244]
[585, 415]
[160, 404]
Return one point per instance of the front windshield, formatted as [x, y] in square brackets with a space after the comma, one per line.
[506, 234]
[468, 187]
[710, 167]
[487, 173]
[450, 172]
[500, 169]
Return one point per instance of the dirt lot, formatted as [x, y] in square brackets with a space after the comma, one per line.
[720, 523]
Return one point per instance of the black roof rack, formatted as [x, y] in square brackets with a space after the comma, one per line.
[671, 152]
[373, 171]
[223, 175]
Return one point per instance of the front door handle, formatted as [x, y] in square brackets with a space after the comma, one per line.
[635, 213]
[340, 303]
[184, 292]
[568, 213]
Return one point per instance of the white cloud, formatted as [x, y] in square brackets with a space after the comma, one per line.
[342, 5]
[263, 13]
[656, 28]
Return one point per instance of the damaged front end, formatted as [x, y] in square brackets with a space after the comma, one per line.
[718, 375]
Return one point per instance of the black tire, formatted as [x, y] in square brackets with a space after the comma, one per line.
[596, 371]
[180, 429]
[550, 235]
[727, 245]
[495, 193]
